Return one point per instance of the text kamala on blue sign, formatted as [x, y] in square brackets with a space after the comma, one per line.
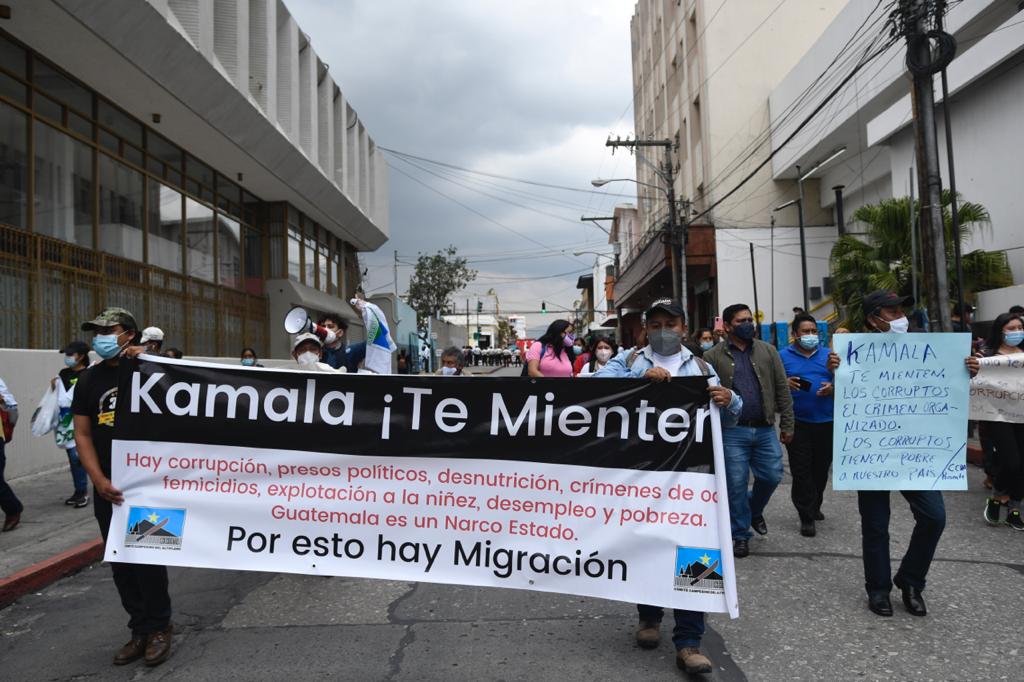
[901, 412]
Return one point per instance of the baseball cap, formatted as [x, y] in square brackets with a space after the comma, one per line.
[152, 334]
[302, 338]
[885, 299]
[667, 305]
[79, 347]
[109, 317]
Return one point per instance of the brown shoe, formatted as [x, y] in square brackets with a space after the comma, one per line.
[11, 522]
[132, 651]
[648, 634]
[158, 647]
[692, 661]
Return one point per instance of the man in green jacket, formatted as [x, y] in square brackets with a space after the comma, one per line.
[753, 369]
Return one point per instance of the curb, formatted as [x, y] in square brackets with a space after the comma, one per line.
[41, 574]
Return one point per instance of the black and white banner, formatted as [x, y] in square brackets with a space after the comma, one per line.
[610, 488]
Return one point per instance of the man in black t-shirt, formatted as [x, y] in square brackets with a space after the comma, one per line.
[143, 588]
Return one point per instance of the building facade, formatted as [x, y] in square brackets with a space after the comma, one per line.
[703, 71]
[190, 160]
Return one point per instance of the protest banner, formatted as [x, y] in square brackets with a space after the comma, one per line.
[901, 412]
[608, 488]
[997, 392]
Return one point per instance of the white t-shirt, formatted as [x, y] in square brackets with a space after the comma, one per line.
[668, 362]
[585, 372]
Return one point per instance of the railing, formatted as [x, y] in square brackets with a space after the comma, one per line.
[49, 287]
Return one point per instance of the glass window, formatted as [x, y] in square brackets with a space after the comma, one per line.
[80, 125]
[229, 251]
[294, 249]
[321, 263]
[336, 271]
[63, 186]
[197, 170]
[121, 191]
[229, 190]
[162, 152]
[12, 57]
[62, 88]
[253, 252]
[11, 88]
[49, 108]
[164, 226]
[309, 264]
[123, 125]
[199, 231]
[13, 166]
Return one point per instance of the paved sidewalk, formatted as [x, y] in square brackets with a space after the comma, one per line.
[53, 539]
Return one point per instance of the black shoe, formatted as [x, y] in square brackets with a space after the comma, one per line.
[993, 508]
[879, 603]
[740, 548]
[1013, 519]
[818, 516]
[83, 501]
[912, 600]
[758, 524]
[807, 529]
[71, 500]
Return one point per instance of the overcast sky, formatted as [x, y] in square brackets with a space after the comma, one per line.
[529, 89]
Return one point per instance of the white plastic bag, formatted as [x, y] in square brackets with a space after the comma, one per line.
[47, 414]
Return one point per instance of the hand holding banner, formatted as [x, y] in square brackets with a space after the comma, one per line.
[997, 392]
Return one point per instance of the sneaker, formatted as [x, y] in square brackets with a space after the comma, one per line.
[1013, 519]
[83, 501]
[992, 510]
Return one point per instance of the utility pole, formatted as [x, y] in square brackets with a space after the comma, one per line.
[468, 333]
[954, 201]
[933, 243]
[396, 279]
[913, 240]
[803, 241]
[676, 233]
[753, 278]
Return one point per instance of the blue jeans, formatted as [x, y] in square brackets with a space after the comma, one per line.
[930, 519]
[78, 475]
[689, 624]
[9, 502]
[750, 449]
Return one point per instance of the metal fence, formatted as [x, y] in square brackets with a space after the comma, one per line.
[48, 287]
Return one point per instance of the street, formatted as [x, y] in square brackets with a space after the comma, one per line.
[802, 606]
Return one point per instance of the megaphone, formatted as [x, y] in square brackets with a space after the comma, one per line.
[297, 322]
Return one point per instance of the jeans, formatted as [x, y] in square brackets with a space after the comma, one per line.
[750, 449]
[9, 502]
[810, 457]
[78, 475]
[689, 624]
[930, 519]
[142, 587]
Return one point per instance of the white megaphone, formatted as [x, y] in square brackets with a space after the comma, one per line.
[297, 322]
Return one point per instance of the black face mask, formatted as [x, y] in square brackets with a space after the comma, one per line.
[745, 331]
[665, 341]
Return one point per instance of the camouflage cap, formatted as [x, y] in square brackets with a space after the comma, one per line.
[110, 317]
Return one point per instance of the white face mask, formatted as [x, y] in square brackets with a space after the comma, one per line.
[308, 359]
[900, 325]
[603, 355]
[449, 371]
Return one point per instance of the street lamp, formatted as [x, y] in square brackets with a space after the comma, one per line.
[601, 182]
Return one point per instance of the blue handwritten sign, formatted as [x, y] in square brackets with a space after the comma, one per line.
[901, 412]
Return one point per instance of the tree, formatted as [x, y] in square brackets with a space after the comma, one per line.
[505, 333]
[434, 280]
[883, 259]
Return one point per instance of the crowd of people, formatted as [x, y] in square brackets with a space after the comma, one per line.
[769, 398]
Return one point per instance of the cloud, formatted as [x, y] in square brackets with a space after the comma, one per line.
[527, 89]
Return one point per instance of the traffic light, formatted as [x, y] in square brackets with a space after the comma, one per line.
[543, 307]
[479, 306]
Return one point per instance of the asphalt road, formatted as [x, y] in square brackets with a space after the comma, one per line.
[803, 617]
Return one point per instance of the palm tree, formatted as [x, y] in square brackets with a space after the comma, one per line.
[882, 258]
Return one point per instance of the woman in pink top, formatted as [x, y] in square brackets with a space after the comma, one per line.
[551, 355]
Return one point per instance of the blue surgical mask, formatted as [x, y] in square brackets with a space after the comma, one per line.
[1014, 338]
[249, 362]
[449, 371]
[707, 345]
[745, 331]
[69, 361]
[808, 341]
[106, 345]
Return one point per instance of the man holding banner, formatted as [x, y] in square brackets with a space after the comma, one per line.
[665, 357]
[901, 424]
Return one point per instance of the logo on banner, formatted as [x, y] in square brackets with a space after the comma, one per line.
[699, 570]
[155, 528]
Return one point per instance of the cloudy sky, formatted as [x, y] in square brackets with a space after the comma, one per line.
[528, 89]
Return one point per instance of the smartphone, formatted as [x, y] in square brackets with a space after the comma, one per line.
[805, 385]
[718, 323]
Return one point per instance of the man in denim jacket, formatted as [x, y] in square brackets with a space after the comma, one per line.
[664, 357]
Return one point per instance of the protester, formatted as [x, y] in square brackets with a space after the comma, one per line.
[664, 358]
[142, 587]
[883, 313]
[704, 339]
[152, 339]
[582, 356]
[1007, 439]
[173, 353]
[249, 358]
[1017, 309]
[599, 355]
[9, 502]
[962, 322]
[451, 363]
[753, 369]
[339, 353]
[307, 349]
[517, 357]
[476, 355]
[551, 354]
[809, 369]
[76, 361]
